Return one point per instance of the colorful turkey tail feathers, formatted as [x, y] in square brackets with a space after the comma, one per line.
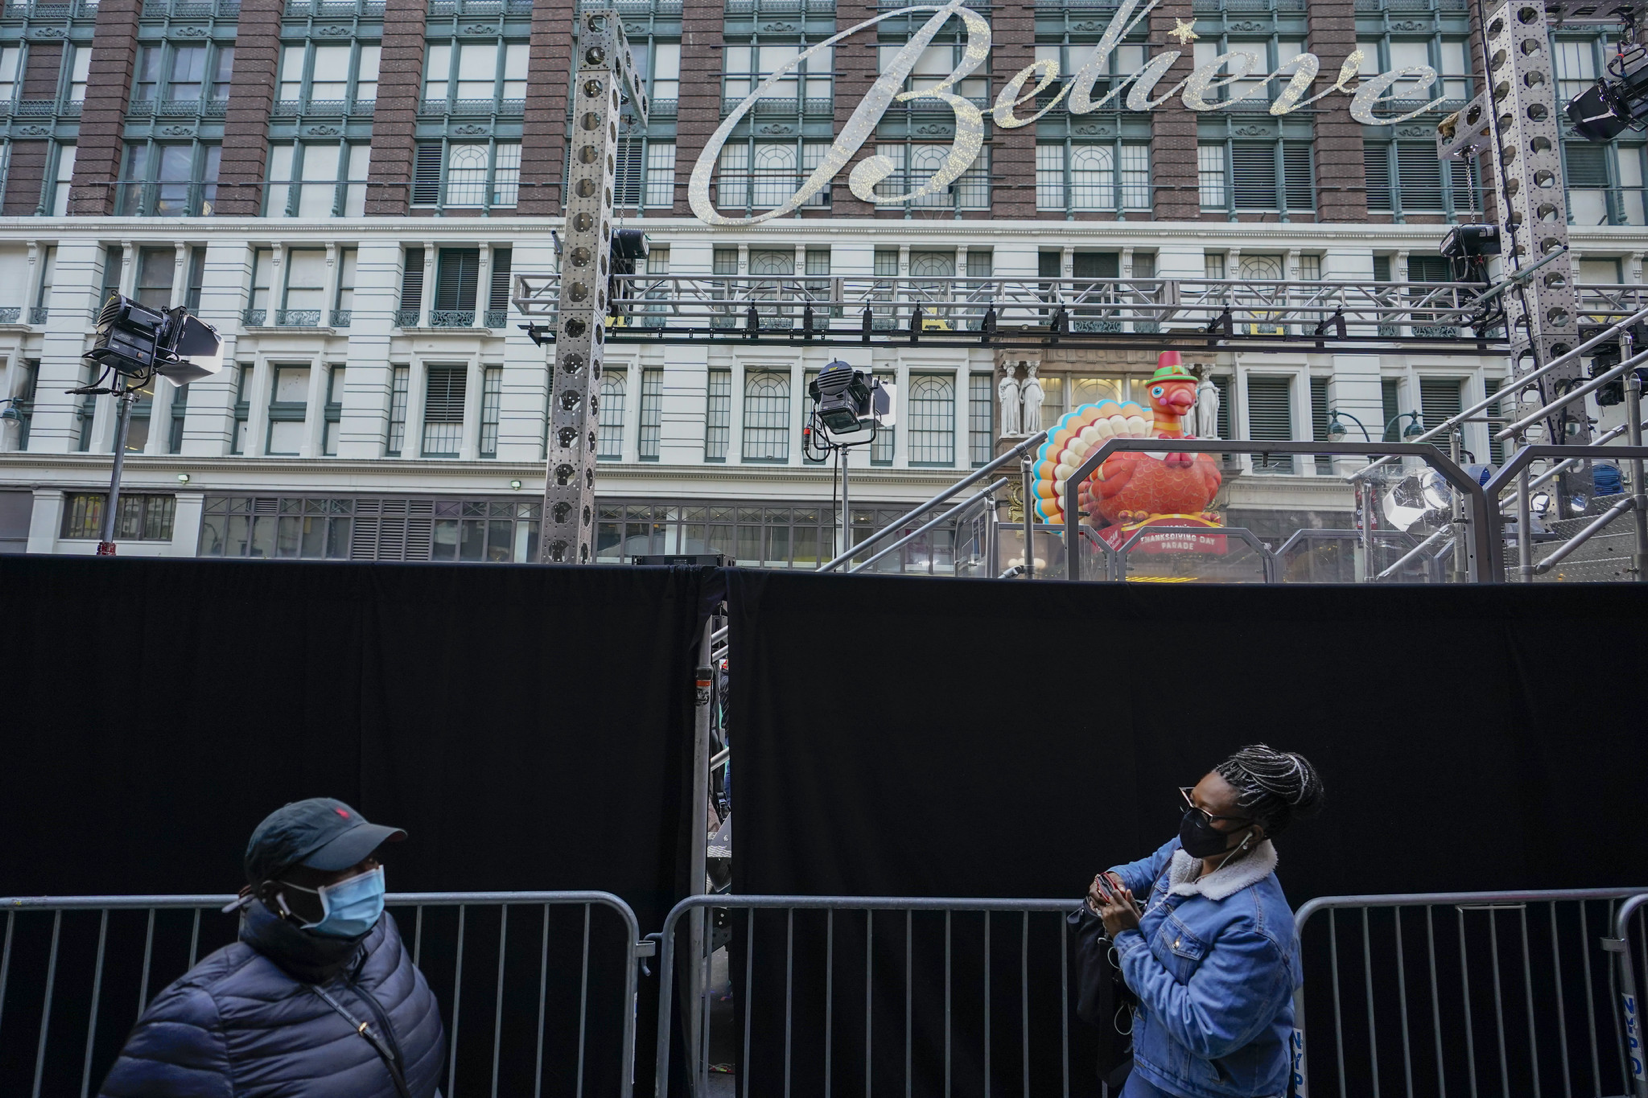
[1067, 444]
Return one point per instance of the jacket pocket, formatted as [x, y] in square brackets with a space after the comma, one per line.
[1179, 949]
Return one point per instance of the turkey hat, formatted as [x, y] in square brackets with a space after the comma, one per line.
[319, 833]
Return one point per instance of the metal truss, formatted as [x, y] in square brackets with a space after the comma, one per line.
[1442, 317]
[604, 70]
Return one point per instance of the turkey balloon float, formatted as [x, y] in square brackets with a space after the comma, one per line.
[1129, 489]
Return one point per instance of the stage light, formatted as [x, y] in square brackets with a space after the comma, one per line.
[183, 478]
[1617, 102]
[136, 340]
[515, 485]
[842, 395]
[1471, 241]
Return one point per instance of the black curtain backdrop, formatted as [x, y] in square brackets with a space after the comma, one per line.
[905, 737]
[529, 727]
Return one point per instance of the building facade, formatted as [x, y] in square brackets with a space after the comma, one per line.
[345, 189]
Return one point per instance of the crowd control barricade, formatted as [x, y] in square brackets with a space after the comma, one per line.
[1631, 950]
[891, 994]
[1464, 994]
[537, 990]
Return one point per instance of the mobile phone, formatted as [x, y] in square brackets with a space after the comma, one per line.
[1105, 890]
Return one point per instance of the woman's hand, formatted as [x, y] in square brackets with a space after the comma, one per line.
[1119, 915]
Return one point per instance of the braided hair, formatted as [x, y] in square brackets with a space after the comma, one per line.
[1278, 786]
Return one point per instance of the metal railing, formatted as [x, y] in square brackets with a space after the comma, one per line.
[838, 940]
[1511, 475]
[1015, 454]
[1471, 993]
[1630, 989]
[1478, 523]
[93, 963]
[1383, 313]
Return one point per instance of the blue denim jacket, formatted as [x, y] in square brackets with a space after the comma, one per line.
[1215, 974]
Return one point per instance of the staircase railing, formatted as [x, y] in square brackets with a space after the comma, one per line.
[850, 551]
[1512, 471]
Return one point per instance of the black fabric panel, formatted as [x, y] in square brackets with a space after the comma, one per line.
[904, 737]
[528, 726]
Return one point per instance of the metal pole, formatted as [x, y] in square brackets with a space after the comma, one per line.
[846, 553]
[694, 987]
[1524, 523]
[1639, 514]
[126, 397]
[1370, 500]
[1029, 520]
[1457, 506]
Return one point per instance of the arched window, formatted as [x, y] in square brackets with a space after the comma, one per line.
[609, 437]
[932, 418]
[766, 416]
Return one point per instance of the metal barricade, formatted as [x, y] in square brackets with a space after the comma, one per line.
[859, 957]
[1630, 988]
[1461, 993]
[91, 964]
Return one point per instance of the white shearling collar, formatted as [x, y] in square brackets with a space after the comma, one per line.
[1183, 879]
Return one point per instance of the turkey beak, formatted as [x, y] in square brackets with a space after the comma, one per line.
[1181, 399]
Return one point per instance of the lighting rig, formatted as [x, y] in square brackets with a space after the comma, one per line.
[1516, 123]
[136, 344]
[589, 257]
[849, 407]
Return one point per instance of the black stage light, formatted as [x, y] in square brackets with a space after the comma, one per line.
[1470, 241]
[135, 339]
[1617, 102]
[1604, 357]
[842, 395]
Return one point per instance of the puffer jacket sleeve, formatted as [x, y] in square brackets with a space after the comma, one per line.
[1231, 996]
[176, 1050]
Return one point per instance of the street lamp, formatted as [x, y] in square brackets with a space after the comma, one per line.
[1412, 431]
[1336, 429]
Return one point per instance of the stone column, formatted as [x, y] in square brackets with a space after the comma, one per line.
[698, 110]
[103, 115]
[400, 86]
[855, 70]
[1012, 152]
[543, 128]
[1172, 128]
[251, 98]
[1341, 186]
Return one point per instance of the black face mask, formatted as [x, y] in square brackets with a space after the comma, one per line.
[1199, 838]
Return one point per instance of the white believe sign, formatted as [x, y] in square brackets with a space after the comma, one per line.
[1140, 87]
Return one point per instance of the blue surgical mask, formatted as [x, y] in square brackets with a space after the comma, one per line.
[351, 907]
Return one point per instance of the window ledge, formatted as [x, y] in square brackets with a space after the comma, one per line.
[290, 329]
[467, 330]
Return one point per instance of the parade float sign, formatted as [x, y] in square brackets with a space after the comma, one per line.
[1137, 91]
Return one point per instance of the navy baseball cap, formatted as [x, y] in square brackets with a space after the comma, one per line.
[319, 833]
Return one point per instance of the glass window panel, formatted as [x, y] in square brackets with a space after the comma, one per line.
[500, 540]
[337, 546]
[288, 536]
[314, 537]
[330, 81]
[472, 545]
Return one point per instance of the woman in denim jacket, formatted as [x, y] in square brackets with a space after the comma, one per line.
[1213, 956]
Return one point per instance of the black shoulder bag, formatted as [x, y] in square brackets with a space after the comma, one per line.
[372, 1039]
[1103, 999]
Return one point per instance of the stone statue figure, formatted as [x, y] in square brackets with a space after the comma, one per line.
[1008, 389]
[1207, 408]
[1031, 394]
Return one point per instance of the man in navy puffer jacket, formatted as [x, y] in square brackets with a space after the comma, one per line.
[318, 999]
